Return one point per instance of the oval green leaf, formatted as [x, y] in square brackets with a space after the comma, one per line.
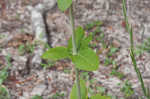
[56, 53]
[86, 59]
[73, 94]
[63, 5]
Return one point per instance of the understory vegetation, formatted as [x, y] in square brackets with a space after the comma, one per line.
[83, 50]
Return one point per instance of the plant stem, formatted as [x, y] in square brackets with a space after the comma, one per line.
[78, 83]
[73, 30]
[132, 55]
[74, 50]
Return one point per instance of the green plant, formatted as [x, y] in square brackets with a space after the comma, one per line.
[84, 75]
[114, 72]
[2, 36]
[78, 51]
[101, 90]
[0, 48]
[4, 94]
[127, 89]
[94, 45]
[30, 48]
[132, 54]
[81, 60]
[96, 24]
[4, 71]
[108, 61]
[3, 75]
[145, 46]
[93, 86]
[112, 51]
[48, 64]
[101, 39]
[99, 96]
[27, 48]
[94, 28]
[67, 71]
[37, 97]
[57, 95]
[21, 49]
[109, 57]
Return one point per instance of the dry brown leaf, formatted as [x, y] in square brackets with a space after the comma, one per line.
[20, 39]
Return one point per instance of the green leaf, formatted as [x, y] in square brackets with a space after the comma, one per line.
[4, 93]
[86, 59]
[112, 51]
[3, 75]
[63, 5]
[79, 34]
[93, 24]
[73, 94]
[98, 96]
[98, 23]
[85, 42]
[37, 97]
[56, 53]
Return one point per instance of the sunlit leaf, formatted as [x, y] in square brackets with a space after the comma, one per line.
[63, 5]
[56, 53]
[86, 59]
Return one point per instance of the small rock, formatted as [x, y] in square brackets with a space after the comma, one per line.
[116, 43]
[38, 90]
[36, 60]
[60, 68]
[25, 94]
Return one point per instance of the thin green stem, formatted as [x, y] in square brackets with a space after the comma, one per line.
[129, 29]
[78, 83]
[74, 50]
[73, 30]
[138, 72]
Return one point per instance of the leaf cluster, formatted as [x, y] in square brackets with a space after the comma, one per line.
[84, 56]
[85, 59]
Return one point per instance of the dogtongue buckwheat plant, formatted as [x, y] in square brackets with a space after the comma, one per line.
[82, 56]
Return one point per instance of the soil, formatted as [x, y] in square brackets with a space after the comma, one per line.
[26, 75]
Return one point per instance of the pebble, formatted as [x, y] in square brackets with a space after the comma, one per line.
[38, 89]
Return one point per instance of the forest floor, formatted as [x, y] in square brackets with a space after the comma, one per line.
[28, 75]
